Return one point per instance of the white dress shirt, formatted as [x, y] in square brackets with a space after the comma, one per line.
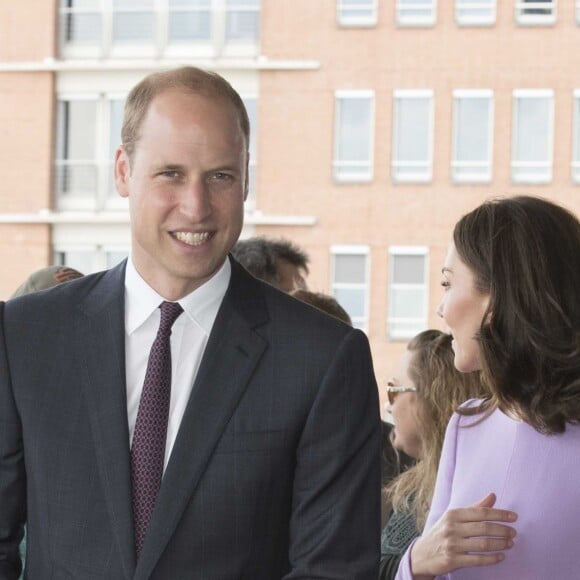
[188, 341]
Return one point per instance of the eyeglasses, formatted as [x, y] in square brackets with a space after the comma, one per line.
[394, 390]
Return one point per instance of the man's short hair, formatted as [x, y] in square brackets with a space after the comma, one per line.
[257, 257]
[188, 79]
[324, 302]
[286, 250]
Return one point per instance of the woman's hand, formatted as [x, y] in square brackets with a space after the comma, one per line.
[463, 538]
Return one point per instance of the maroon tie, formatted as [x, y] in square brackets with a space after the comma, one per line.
[148, 449]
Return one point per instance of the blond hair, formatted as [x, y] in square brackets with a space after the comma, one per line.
[440, 389]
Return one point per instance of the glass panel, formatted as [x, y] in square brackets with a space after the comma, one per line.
[472, 129]
[349, 269]
[405, 328]
[536, 7]
[353, 139]
[354, 129]
[533, 125]
[352, 300]
[114, 257]
[475, 10]
[413, 129]
[408, 303]
[81, 28]
[243, 20]
[76, 143]
[415, 9]
[133, 21]
[190, 20]
[357, 10]
[81, 260]
[409, 269]
[73, 5]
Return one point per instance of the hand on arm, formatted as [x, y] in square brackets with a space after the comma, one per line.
[464, 537]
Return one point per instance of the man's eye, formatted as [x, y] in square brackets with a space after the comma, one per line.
[170, 174]
[221, 176]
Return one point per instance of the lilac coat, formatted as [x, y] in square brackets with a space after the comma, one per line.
[536, 476]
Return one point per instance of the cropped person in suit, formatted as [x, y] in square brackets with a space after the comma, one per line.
[262, 463]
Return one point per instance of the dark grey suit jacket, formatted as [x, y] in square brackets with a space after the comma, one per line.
[274, 473]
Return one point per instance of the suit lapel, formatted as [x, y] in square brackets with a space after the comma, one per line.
[231, 355]
[100, 347]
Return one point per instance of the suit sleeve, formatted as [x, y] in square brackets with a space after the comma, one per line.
[442, 493]
[335, 522]
[12, 475]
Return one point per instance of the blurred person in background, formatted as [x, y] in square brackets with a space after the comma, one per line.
[276, 261]
[46, 278]
[423, 394]
[324, 302]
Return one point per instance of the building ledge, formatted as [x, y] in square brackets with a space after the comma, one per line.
[261, 63]
[47, 217]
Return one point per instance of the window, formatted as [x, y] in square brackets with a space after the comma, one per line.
[416, 12]
[576, 139]
[577, 11]
[407, 292]
[89, 258]
[475, 12]
[356, 12]
[88, 133]
[353, 136]
[350, 281]
[472, 136]
[535, 12]
[412, 136]
[532, 141]
[251, 103]
[157, 28]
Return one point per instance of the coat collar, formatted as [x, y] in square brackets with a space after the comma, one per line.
[234, 349]
[232, 353]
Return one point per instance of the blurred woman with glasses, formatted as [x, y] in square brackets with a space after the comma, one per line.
[422, 396]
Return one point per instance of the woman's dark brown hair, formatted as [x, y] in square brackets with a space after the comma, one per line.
[525, 253]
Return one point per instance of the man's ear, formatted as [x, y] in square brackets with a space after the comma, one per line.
[122, 171]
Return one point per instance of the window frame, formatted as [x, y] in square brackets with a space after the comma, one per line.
[523, 19]
[102, 197]
[353, 250]
[476, 20]
[416, 21]
[423, 322]
[161, 45]
[398, 164]
[363, 94]
[486, 175]
[515, 165]
[356, 22]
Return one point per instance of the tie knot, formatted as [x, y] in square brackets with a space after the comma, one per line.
[169, 312]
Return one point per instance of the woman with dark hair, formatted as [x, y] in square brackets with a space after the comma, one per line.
[423, 394]
[511, 303]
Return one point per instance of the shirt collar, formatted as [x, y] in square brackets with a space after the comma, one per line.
[201, 305]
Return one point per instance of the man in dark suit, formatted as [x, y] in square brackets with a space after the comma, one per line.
[243, 446]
